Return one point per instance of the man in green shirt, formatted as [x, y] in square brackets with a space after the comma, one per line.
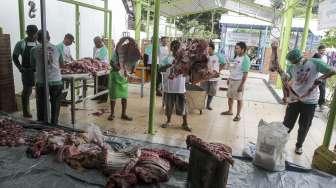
[303, 96]
[22, 48]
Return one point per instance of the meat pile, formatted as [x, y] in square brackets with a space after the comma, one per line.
[220, 151]
[123, 168]
[152, 166]
[192, 60]
[11, 134]
[85, 65]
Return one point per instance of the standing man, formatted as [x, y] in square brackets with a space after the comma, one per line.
[321, 52]
[54, 78]
[23, 48]
[175, 90]
[303, 95]
[210, 86]
[64, 47]
[100, 53]
[236, 82]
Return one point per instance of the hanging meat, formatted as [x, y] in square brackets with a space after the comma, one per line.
[11, 134]
[85, 65]
[193, 61]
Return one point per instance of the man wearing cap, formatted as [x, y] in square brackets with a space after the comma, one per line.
[23, 48]
[302, 78]
[54, 78]
[64, 47]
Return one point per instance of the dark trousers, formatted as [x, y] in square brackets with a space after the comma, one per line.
[55, 93]
[102, 86]
[26, 92]
[322, 88]
[306, 113]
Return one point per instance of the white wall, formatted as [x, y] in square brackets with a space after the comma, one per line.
[61, 20]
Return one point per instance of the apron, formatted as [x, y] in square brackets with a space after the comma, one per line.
[118, 86]
[28, 75]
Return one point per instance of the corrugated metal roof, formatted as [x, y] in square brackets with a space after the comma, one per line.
[174, 8]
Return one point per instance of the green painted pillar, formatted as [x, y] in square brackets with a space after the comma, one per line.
[137, 21]
[1, 30]
[147, 23]
[151, 121]
[21, 19]
[110, 35]
[306, 26]
[287, 29]
[77, 25]
[105, 17]
[331, 122]
[212, 22]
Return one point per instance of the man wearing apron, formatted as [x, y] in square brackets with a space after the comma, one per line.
[23, 48]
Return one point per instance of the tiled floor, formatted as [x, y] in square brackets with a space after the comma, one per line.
[211, 126]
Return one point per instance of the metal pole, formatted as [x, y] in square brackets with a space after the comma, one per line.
[1, 30]
[110, 35]
[147, 23]
[175, 28]
[137, 21]
[331, 122]
[45, 60]
[105, 18]
[153, 68]
[77, 25]
[306, 26]
[286, 37]
[296, 40]
[212, 22]
[21, 19]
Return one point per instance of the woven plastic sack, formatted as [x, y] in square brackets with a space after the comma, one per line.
[271, 142]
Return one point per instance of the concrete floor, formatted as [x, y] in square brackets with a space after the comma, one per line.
[211, 126]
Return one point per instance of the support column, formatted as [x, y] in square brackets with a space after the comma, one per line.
[147, 23]
[77, 25]
[212, 22]
[21, 19]
[105, 17]
[151, 121]
[288, 16]
[1, 30]
[137, 21]
[175, 28]
[306, 26]
[45, 59]
[331, 122]
[110, 35]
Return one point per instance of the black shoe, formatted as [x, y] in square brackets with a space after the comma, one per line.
[209, 108]
[298, 150]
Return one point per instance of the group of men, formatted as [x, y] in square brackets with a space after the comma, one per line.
[32, 70]
[302, 73]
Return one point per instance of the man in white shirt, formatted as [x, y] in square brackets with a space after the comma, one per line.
[236, 82]
[210, 86]
[174, 96]
[64, 48]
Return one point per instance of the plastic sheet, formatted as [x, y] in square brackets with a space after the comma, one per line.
[16, 171]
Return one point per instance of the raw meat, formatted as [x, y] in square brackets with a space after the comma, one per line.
[85, 65]
[11, 134]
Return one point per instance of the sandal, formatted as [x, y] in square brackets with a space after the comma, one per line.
[227, 113]
[127, 118]
[186, 128]
[165, 125]
[237, 118]
[111, 117]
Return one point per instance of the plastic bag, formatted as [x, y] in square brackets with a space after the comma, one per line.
[271, 142]
[95, 135]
